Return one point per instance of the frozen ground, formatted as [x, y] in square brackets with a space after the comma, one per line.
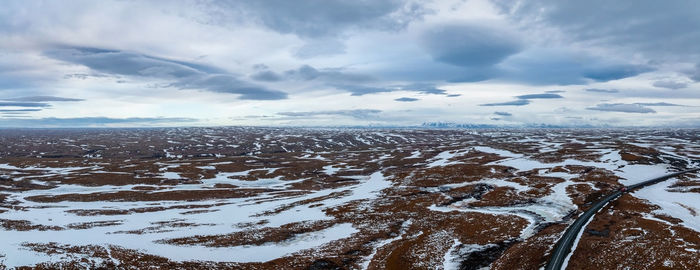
[260, 198]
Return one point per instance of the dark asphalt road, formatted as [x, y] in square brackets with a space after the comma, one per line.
[563, 247]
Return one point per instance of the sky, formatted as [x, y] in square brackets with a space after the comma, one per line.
[73, 63]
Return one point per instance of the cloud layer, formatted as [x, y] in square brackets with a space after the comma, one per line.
[181, 74]
[95, 122]
[384, 62]
[621, 107]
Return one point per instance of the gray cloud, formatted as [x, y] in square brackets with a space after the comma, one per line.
[94, 121]
[24, 104]
[539, 96]
[555, 91]
[453, 95]
[659, 29]
[524, 99]
[665, 104]
[406, 99]
[321, 24]
[313, 19]
[621, 107]
[503, 113]
[83, 76]
[20, 110]
[422, 69]
[129, 64]
[695, 74]
[423, 88]
[670, 84]
[473, 53]
[230, 84]
[595, 90]
[43, 99]
[266, 76]
[186, 75]
[602, 72]
[469, 45]
[564, 66]
[307, 73]
[359, 113]
[360, 90]
[519, 102]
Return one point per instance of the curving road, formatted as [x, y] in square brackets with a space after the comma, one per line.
[563, 247]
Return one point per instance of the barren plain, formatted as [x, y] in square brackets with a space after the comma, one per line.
[293, 198]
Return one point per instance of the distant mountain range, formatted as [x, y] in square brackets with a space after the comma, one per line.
[476, 126]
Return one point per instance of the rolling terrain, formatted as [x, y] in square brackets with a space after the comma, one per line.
[271, 198]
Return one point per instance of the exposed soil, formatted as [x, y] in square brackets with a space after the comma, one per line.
[253, 237]
[631, 240]
[25, 225]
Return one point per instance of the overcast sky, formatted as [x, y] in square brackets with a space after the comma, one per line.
[326, 62]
